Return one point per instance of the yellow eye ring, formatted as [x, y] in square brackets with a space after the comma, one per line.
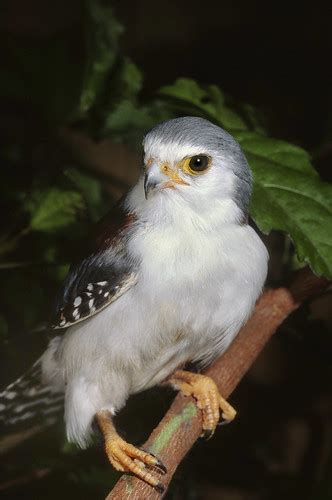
[195, 165]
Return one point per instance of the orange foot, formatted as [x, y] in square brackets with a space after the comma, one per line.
[127, 458]
[206, 393]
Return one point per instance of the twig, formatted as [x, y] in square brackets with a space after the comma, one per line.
[181, 426]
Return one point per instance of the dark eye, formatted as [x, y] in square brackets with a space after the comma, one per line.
[199, 163]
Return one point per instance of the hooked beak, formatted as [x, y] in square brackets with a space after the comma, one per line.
[153, 178]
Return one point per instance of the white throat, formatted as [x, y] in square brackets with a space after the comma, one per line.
[183, 209]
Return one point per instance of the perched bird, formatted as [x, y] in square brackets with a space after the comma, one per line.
[175, 273]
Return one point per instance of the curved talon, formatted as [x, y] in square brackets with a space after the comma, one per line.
[228, 412]
[223, 422]
[160, 488]
[162, 468]
[207, 434]
[158, 465]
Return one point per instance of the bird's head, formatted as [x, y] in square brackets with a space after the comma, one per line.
[198, 162]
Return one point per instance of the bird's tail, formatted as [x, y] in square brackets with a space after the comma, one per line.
[26, 407]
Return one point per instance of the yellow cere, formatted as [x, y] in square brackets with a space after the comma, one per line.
[172, 174]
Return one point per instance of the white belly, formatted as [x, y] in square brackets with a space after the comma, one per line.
[189, 303]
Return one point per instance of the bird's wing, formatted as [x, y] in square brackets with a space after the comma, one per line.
[102, 276]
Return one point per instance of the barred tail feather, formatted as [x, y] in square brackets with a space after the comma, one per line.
[27, 403]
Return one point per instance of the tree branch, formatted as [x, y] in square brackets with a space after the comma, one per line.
[182, 424]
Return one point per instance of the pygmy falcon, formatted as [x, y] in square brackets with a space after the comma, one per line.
[173, 275]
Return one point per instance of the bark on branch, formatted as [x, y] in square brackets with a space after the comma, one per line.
[181, 426]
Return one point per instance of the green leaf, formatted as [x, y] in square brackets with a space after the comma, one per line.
[128, 121]
[283, 152]
[91, 191]
[206, 101]
[127, 81]
[53, 209]
[289, 196]
[119, 114]
[126, 115]
[103, 31]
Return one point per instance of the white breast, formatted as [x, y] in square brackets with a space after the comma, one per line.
[195, 290]
[203, 283]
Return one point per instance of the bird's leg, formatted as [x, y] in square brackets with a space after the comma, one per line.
[127, 458]
[206, 393]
